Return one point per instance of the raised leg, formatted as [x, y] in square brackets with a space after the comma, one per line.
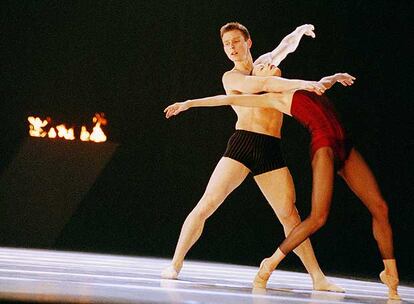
[227, 176]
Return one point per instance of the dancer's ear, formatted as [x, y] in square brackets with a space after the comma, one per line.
[249, 43]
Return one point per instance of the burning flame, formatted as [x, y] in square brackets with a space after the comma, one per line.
[52, 133]
[37, 125]
[65, 133]
[97, 134]
[85, 135]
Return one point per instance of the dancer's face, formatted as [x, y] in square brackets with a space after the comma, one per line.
[266, 69]
[236, 46]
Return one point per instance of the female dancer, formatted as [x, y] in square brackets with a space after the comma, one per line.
[330, 151]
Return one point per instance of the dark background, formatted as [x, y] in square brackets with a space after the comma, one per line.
[130, 59]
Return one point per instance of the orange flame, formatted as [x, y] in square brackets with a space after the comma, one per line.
[97, 135]
[65, 133]
[85, 135]
[52, 133]
[36, 126]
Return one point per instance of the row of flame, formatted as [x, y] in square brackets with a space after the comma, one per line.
[36, 129]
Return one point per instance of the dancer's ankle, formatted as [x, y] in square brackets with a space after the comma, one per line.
[177, 266]
[317, 275]
[390, 267]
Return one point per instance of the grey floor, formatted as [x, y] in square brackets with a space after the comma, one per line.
[70, 277]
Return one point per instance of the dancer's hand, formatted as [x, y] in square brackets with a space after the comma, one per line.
[345, 79]
[307, 29]
[314, 86]
[175, 109]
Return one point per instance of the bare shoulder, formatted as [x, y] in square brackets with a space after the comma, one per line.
[231, 73]
[231, 76]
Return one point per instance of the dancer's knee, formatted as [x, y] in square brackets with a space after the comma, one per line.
[206, 206]
[380, 211]
[289, 216]
[317, 221]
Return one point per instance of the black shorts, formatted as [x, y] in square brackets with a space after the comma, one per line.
[260, 153]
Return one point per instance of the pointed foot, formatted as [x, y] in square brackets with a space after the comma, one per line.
[169, 273]
[262, 276]
[392, 284]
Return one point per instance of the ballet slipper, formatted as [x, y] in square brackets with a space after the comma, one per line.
[262, 276]
[170, 273]
[392, 284]
[325, 285]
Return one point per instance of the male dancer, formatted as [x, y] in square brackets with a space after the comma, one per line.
[254, 147]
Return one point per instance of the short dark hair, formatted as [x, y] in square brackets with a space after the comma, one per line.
[231, 26]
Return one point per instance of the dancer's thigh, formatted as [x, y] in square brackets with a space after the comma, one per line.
[278, 188]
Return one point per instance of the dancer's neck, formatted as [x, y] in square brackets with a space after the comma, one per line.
[245, 66]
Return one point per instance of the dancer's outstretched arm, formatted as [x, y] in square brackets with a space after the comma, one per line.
[270, 100]
[288, 45]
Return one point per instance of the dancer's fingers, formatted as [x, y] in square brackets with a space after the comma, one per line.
[169, 113]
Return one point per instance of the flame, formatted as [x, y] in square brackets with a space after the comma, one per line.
[97, 135]
[65, 133]
[52, 133]
[85, 135]
[36, 125]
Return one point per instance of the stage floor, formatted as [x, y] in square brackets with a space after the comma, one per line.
[71, 277]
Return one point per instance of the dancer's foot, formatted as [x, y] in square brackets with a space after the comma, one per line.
[262, 276]
[392, 284]
[324, 285]
[170, 272]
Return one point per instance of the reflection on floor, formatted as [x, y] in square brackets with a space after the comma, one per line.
[69, 277]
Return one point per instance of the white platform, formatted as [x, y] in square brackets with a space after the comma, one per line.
[68, 277]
